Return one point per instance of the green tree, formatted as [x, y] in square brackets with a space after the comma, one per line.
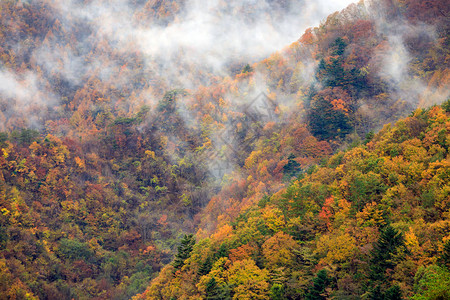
[387, 252]
[327, 120]
[446, 105]
[25, 136]
[432, 283]
[184, 250]
[247, 69]
[3, 138]
[320, 283]
[205, 267]
[277, 292]
[74, 249]
[169, 102]
[222, 251]
[292, 168]
[393, 293]
[215, 291]
[444, 258]
[365, 187]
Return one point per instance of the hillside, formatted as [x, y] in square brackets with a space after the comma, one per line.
[119, 135]
[371, 222]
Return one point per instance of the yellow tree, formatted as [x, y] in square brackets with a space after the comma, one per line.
[279, 251]
[248, 281]
[335, 248]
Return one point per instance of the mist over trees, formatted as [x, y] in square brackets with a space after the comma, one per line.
[224, 150]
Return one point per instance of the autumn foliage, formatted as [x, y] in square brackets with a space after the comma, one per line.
[267, 183]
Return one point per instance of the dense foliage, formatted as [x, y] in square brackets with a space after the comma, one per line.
[370, 222]
[108, 168]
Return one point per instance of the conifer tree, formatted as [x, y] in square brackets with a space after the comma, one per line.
[444, 258]
[184, 250]
[316, 292]
[387, 252]
[205, 267]
[217, 292]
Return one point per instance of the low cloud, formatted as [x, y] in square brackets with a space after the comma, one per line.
[22, 95]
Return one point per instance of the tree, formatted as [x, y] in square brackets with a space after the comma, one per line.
[74, 249]
[320, 282]
[184, 250]
[328, 115]
[336, 248]
[279, 251]
[169, 102]
[215, 291]
[277, 292]
[393, 293]
[387, 252]
[247, 69]
[205, 267]
[25, 136]
[444, 258]
[432, 283]
[248, 281]
[292, 168]
[3, 139]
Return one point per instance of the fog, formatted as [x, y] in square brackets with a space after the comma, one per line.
[186, 44]
[209, 36]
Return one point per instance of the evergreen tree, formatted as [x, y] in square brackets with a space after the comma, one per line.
[325, 122]
[205, 267]
[376, 294]
[222, 252]
[387, 252]
[444, 258]
[247, 69]
[316, 292]
[392, 293]
[184, 250]
[217, 292]
[292, 168]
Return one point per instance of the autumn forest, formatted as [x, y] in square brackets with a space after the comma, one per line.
[187, 149]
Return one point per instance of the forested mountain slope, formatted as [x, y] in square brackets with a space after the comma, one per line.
[338, 83]
[371, 222]
[115, 142]
[349, 228]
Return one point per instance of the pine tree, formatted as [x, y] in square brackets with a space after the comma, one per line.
[205, 267]
[247, 69]
[387, 252]
[444, 258]
[376, 294]
[316, 292]
[184, 250]
[393, 293]
[217, 292]
[292, 168]
[222, 252]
